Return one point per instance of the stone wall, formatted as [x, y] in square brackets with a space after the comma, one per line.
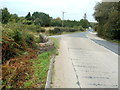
[46, 45]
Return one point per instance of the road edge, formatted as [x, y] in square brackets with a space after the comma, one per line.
[49, 74]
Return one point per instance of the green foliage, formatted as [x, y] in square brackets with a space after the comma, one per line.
[42, 30]
[56, 22]
[5, 15]
[41, 19]
[60, 30]
[30, 40]
[28, 16]
[93, 24]
[28, 22]
[71, 23]
[27, 84]
[84, 23]
[17, 36]
[55, 31]
[78, 28]
[95, 27]
[107, 14]
[28, 19]
[41, 66]
[14, 18]
[56, 45]
[10, 48]
[15, 40]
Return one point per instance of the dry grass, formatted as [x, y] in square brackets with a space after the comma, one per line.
[48, 28]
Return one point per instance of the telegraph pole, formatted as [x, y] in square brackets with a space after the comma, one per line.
[63, 18]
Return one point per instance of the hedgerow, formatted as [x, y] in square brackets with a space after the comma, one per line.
[16, 40]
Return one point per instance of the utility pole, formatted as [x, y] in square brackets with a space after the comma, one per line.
[63, 18]
[85, 16]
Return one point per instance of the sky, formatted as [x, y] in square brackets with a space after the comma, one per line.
[74, 9]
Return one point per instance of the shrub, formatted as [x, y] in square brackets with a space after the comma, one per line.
[16, 40]
[30, 40]
[59, 30]
[55, 31]
[10, 48]
[28, 22]
[78, 28]
[95, 27]
[42, 30]
[17, 36]
[72, 30]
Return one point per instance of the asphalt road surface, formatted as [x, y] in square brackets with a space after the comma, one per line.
[85, 61]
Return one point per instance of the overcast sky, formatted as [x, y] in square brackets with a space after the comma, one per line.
[74, 9]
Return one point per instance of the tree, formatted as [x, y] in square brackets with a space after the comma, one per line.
[84, 23]
[41, 18]
[28, 16]
[5, 15]
[56, 22]
[107, 14]
[14, 18]
[71, 23]
[28, 19]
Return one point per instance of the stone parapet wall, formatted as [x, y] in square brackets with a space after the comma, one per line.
[46, 45]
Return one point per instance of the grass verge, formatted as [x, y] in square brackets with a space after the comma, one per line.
[71, 32]
[27, 71]
[40, 67]
[112, 41]
[56, 44]
[64, 33]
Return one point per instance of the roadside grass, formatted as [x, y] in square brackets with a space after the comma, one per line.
[40, 67]
[71, 32]
[56, 45]
[27, 84]
[29, 70]
[64, 33]
[114, 41]
[26, 69]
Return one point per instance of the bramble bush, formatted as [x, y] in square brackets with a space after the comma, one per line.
[16, 39]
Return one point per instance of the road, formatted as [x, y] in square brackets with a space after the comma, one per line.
[85, 61]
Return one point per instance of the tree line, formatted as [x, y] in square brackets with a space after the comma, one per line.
[41, 19]
[107, 15]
